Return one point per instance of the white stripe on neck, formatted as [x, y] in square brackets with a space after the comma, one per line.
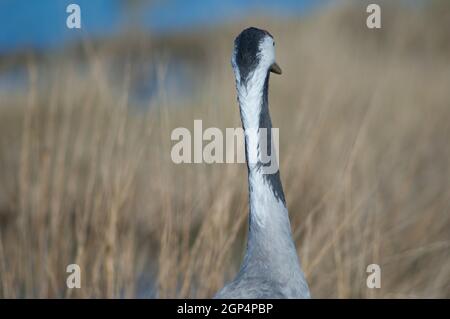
[263, 202]
[250, 101]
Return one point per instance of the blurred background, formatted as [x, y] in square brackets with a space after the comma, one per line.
[86, 175]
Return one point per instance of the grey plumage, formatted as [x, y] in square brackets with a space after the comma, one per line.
[271, 267]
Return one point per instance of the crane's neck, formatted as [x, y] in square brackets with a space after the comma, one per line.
[269, 240]
[260, 150]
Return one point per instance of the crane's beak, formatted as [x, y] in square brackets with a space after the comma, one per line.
[275, 68]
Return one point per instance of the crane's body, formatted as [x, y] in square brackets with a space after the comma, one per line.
[271, 267]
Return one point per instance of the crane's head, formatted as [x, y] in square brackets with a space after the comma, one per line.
[254, 50]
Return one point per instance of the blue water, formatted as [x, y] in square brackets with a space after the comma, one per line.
[41, 24]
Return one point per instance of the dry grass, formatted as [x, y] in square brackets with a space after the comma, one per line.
[364, 117]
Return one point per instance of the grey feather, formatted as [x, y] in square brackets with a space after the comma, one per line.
[271, 267]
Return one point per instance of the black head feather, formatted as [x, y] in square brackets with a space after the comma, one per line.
[246, 47]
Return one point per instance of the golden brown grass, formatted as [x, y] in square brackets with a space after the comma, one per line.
[364, 118]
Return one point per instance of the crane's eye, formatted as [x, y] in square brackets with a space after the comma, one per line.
[273, 43]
